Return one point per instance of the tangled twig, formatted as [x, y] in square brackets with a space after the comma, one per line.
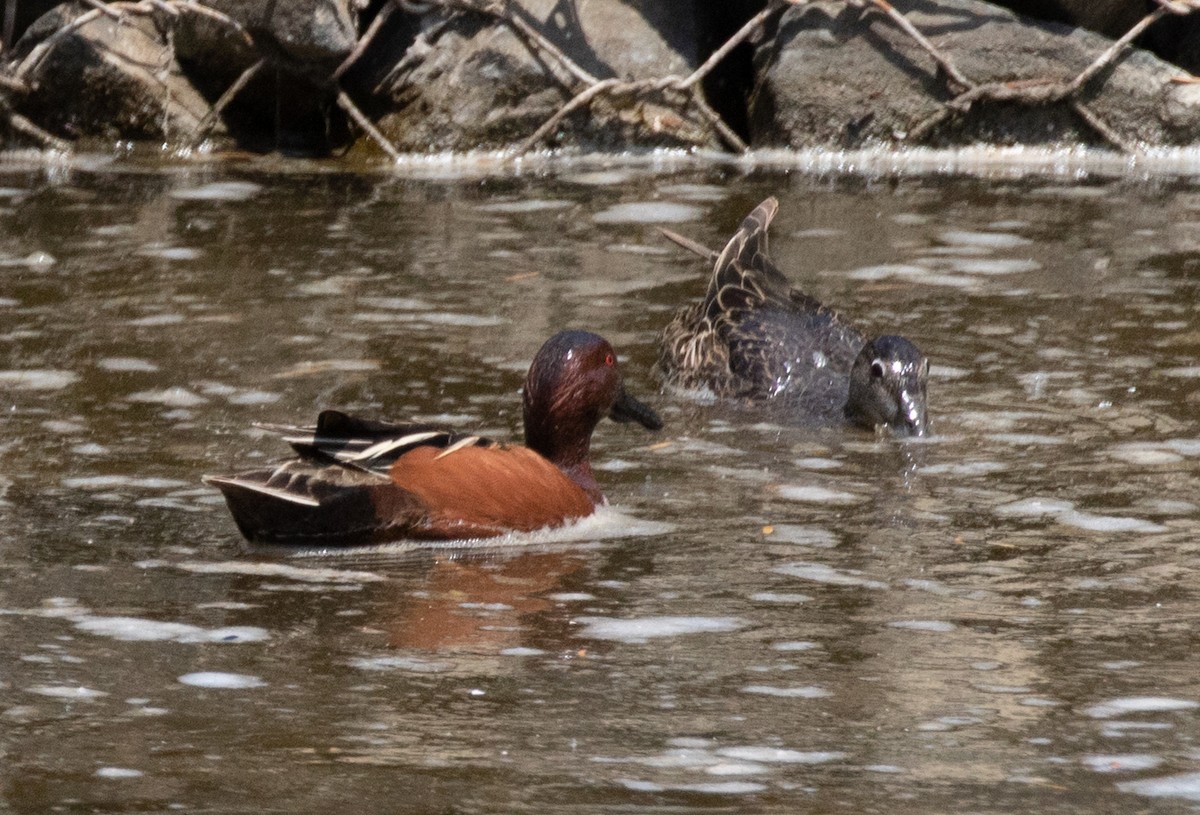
[1030, 92]
[681, 93]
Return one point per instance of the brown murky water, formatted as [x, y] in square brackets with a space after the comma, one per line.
[769, 618]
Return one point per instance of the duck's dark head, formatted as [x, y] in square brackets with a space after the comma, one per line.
[887, 387]
[573, 383]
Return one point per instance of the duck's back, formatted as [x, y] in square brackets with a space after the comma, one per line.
[754, 336]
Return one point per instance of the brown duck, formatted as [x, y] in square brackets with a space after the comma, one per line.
[361, 481]
[754, 337]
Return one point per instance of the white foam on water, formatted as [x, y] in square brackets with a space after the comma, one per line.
[721, 788]
[170, 252]
[532, 205]
[726, 768]
[967, 469]
[221, 680]
[1034, 508]
[695, 192]
[989, 240]
[788, 691]
[802, 535]
[176, 397]
[1183, 785]
[778, 755]
[127, 364]
[991, 266]
[1122, 763]
[396, 303]
[321, 366]
[814, 463]
[1027, 439]
[884, 271]
[779, 597]
[932, 626]
[137, 629]
[1185, 447]
[1109, 523]
[108, 482]
[72, 692]
[37, 379]
[606, 523]
[117, 773]
[1145, 454]
[1182, 372]
[643, 629]
[1138, 704]
[218, 191]
[820, 573]
[401, 663]
[796, 645]
[522, 651]
[571, 597]
[815, 494]
[298, 573]
[649, 212]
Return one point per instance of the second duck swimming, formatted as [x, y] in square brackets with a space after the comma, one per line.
[755, 337]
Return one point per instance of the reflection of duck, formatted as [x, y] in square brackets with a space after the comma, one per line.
[358, 481]
[753, 336]
[480, 605]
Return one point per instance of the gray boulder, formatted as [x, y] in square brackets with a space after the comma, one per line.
[108, 78]
[470, 82]
[837, 76]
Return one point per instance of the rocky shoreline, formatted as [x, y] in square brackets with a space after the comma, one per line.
[340, 77]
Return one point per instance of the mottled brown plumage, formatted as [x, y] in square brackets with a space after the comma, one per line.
[754, 337]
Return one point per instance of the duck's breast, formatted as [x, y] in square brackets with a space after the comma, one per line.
[481, 491]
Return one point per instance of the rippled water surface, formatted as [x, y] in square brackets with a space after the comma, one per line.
[769, 617]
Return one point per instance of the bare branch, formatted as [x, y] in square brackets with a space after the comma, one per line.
[364, 40]
[347, 104]
[581, 99]
[210, 118]
[745, 32]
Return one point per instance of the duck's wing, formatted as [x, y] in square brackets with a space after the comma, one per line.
[366, 444]
[340, 489]
[695, 349]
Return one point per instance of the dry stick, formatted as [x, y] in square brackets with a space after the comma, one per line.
[597, 86]
[365, 40]
[723, 130]
[566, 110]
[1031, 92]
[531, 33]
[210, 118]
[23, 125]
[415, 53]
[347, 104]
[737, 39]
[35, 57]
[1100, 126]
[1113, 50]
[946, 64]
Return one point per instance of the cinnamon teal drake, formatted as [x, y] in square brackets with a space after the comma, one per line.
[755, 337]
[363, 481]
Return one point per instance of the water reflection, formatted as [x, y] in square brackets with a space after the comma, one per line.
[772, 618]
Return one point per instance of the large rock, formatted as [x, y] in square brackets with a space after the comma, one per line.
[473, 83]
[1112, 18]
[111, 79]
[836, 76]
[158, 75]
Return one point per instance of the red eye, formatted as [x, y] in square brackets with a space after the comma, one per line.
[610, 360]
